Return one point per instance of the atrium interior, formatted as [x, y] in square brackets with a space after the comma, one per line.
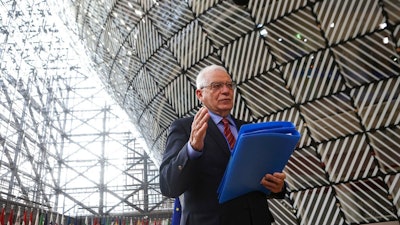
[88, 89]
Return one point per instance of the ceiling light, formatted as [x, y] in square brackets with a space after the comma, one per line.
[382, 25]
[138, 12]
[386, 40]
[263, 32]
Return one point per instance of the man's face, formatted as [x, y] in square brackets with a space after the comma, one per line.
[217, 98]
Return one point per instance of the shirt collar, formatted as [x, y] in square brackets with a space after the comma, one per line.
[217, 118]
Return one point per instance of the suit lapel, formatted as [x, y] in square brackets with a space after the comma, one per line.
[215, 134]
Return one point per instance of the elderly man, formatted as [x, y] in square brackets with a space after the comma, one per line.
[197, 152]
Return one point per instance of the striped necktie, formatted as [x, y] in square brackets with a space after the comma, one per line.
[228, 133]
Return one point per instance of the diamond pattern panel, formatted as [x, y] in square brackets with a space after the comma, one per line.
[331, 117]
[170, 16]
[392, 8]
[265, 11]
[243, 110]
[182, 95]
[347, 159]
[224, 23]
[393, 182]
[378, 103]
[199, 6]
[127, 60]
[317, 206]
[345, 19]
[148, 39]
[283, 207]
[145, 86]
[365, 201]
[294, 36]
[119, 82]
[133, 103]
[163, 63]
[251, 57]
[386, 144]
[190, 45]
[313, 77]
[358, 59]
[307, 169]
[266, 94]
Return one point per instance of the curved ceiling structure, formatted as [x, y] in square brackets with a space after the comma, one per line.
[330, 67]
[65, 146]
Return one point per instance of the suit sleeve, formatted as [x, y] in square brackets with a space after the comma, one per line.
[176, 167]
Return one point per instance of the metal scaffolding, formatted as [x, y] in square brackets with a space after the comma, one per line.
[66, 146]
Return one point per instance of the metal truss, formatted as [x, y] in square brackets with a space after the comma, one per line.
[66, 146]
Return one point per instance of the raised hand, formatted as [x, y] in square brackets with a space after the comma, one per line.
[199, 128]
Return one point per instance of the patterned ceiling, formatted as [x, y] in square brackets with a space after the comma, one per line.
[330, 67]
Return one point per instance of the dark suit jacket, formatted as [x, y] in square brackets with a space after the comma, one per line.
[199, 179]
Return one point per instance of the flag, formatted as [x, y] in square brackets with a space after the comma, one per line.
[30, 218]
[51, 219]
[10, 217]
[41, 219]
[18, 219]
[37, 217]
[103, 221]
[177, 213]
[45, 221]
[24, 220]
[3, 211]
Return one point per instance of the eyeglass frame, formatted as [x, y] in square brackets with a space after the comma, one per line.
[214, 86]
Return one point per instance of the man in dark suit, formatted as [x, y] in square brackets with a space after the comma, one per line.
[197, 153]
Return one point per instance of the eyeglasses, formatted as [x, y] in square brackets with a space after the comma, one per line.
[219, 85]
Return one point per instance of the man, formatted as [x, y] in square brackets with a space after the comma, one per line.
[197, 153]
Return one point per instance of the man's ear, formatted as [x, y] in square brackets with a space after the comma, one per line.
[199, 94]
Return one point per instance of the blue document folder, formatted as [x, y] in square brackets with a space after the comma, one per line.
[260, 148]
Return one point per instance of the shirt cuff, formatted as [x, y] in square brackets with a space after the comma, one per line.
[193, 154]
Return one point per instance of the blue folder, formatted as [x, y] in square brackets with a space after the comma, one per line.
[260, 148]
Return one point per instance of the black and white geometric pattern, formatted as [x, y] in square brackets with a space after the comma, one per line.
[329, 66]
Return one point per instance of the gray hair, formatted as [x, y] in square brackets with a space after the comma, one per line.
[200, 81]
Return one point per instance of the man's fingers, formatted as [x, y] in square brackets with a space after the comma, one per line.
[280, 175]
[274, 182]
